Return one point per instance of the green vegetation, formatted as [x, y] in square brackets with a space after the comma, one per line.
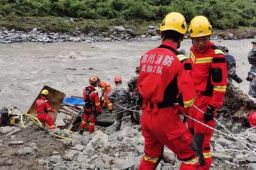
[54, 15]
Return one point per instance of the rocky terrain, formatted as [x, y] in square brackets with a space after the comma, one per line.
[117, 33]
[34, 148]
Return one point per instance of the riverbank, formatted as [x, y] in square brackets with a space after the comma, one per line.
[56, 29]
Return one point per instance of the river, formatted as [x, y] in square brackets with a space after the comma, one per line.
[27, 67]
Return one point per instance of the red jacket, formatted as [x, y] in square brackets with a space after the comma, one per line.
[91, 97]
[162, 76]
[42, 105]
[209, 73]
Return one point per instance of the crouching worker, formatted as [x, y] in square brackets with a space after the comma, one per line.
[43, 108]
[92, 106]
[106, 89]
[162, 77]
[121, 98]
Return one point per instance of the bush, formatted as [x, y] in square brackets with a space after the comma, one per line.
[222, 14]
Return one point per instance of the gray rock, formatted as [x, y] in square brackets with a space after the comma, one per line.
[61, 166]
[78, 147]
[16, 143]
[131, 32]
[25, 151]
[155, 38]
[34, 146]
[55, 159]
[55, 152]
[82, 158]
[34, 30]
[99, 140]
[151, 32]
[169, 156]
[221, 156]
[15, 131]
[251, 158]
[70, 155]
[151, 27]
[128, 132]
[224, 142]
[6, 162]
[119, 28]
[240, 158]
[143, 36]
[102, 163]
[252, 166]
[123, 163]
[252, 138]
[230, 35]
[167, 166]
[6, 129]
[42, 162]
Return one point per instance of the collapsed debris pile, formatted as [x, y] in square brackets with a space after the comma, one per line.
[34, 147]
[237, 102]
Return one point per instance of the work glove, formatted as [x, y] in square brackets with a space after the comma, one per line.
[238, 79]
[249, 78]
[209, 113]
[97, 113]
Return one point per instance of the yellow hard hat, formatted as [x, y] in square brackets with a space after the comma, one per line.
[174, 21]
[45, 92]
[199, 27]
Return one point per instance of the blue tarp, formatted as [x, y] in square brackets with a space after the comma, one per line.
[76, 101]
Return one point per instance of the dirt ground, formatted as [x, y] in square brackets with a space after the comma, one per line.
[43, 146]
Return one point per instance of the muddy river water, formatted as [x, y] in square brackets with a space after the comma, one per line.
[26, 67]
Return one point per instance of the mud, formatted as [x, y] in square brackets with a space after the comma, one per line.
[42, 144]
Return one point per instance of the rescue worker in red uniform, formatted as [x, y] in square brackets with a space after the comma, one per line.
[209, 74]
[43, 108]
[106, 89]
[92, 106]
[162, 76]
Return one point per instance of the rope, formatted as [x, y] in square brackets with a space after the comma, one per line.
[62, 137]
[234, 136]
[39, 124]
[224, 134]
[33, 118]
[230, 135]
[127, 109]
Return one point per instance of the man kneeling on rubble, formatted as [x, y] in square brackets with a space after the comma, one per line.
[121, 98]
[92, 106]
[43, 108]
[162, 77]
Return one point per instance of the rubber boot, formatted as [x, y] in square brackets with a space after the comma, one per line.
[198, 140]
